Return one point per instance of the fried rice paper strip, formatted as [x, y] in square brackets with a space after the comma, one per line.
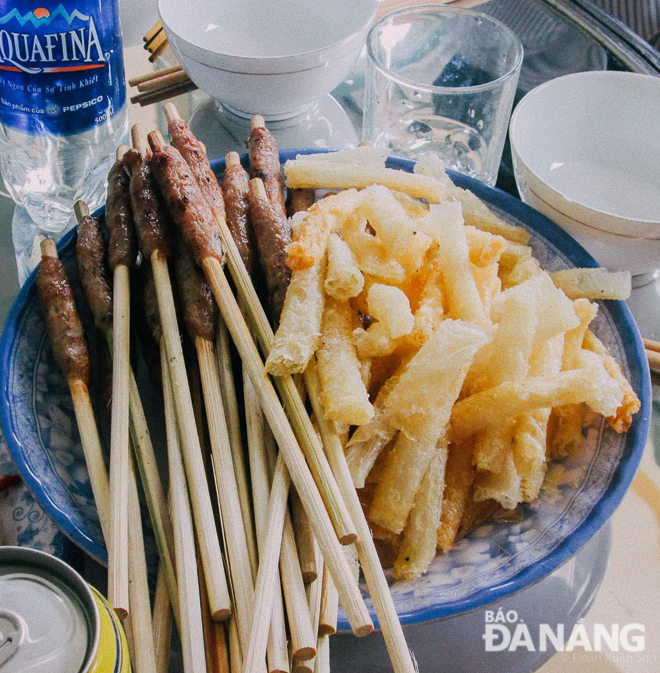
[530, 437]
[630, 404]
[343, 392]
[310, 237]
[420, 534]
[421, 391]
[329, 175]
[459, 478]
[343, 279]
[510, 399]
[299, 331]
[454, 258]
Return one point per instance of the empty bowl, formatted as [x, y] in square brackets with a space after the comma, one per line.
[274, 59]
[586, 153]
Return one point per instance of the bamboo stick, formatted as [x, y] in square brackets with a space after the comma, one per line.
[145, 654]
[304, 540]
[192, 635]
[322, 661]
[215, 636]
[153, 490]
[235, 658]
[276, 651]
[329, 606]
[91, 444]
[236, 546]
[162, 623]
[303, 637]
[119, 450]
[230, 401]
[314, 594]
[373, 571]
[199, 490]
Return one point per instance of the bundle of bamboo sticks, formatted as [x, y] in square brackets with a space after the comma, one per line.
[252, 580]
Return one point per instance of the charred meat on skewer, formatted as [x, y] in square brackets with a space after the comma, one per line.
[235, 186]
[149, 213]
[187, 204]
[93, 272]
[122, 244]
[65, 330]
[273, 235]
[190, 149]
[265, 165]
[200, 312]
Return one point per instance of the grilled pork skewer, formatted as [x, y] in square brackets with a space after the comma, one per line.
[151, 225]
[199, 229]
[122, 256]
[93, 275]
[72, 357]
[195, 155]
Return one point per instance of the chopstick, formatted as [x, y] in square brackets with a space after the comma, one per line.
[653, 354]
[156, 74]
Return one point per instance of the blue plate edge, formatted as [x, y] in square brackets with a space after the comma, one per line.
[599, 515]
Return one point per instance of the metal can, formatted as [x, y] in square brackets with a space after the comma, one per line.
[52, 621]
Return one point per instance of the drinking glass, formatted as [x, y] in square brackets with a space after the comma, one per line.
[442, 80]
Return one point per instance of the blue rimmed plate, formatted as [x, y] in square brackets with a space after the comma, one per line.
[493, 562]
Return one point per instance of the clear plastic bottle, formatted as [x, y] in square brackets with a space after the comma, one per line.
[62, 110]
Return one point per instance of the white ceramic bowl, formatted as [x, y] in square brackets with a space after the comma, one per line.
[256, 56]
[586, 153]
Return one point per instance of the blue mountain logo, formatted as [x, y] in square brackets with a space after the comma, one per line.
[42, 17]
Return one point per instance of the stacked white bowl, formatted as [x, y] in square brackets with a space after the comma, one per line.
[271, 58]
[586, 153]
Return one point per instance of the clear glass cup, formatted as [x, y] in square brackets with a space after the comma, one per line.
[442, 80]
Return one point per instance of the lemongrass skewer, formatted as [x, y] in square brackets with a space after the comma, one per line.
[207, 534]
[373, 571]
[192, 634]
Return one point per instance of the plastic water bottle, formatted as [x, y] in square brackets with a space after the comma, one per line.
[62, 111]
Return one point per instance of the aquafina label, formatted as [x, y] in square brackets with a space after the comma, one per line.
[62, 108]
